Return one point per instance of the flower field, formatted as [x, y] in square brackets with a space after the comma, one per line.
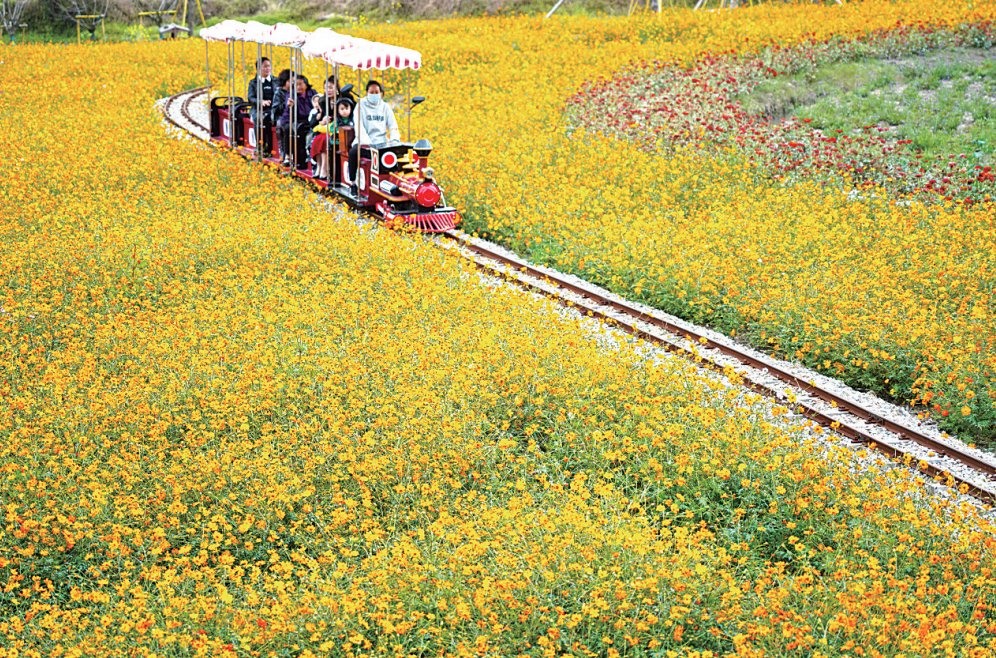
[232, 425]
[700, 107]
[898, 325]
[891, 297]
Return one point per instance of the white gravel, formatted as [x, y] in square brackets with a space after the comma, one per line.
[198, 110]
[789, 396]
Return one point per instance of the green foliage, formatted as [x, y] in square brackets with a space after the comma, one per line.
[943, 102]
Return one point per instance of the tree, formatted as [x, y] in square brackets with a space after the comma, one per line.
[10, 16]
[94, 10]
[157, 9]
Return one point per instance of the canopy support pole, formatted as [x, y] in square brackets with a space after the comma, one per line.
[207, 66]
[555, 8]
[259, 124]
[245, 75]
[231, 93]
[331, 122]
[300, 72]
[334, 161]
[359, 132]
[292, 114]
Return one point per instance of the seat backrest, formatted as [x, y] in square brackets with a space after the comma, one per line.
[222, 101]
[243, 110]
[346, 134]
[221, 106]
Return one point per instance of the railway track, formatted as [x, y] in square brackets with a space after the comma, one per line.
[183, 101]
[846, 417]
[682, 339]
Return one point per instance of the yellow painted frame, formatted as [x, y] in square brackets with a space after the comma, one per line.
[100, 17]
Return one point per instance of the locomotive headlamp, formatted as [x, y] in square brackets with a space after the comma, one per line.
[387, 187]
[428, 194]
[422, 148]
[428, 173]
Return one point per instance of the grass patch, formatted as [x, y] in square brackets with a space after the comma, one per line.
[114, 31]
[942, 102]
[304, 19]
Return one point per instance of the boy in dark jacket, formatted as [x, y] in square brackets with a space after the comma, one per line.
[278, 109]
[260, 95]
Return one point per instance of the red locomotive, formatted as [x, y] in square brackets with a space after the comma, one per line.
[393, 179]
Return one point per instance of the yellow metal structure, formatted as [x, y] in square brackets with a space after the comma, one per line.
[98, 17]
[158, 14]
[200, 11]
[175, 13]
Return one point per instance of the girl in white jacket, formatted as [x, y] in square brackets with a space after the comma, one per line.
[375, 124]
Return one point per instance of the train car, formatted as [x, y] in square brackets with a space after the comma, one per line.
[393, 179]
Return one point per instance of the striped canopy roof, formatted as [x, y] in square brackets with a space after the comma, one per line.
[223, 31]
[323, 43]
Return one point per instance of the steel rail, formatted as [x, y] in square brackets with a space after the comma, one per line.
[185, 110]
[635, 315]
[187, 97]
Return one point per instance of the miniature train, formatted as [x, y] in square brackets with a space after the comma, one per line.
[393, 179]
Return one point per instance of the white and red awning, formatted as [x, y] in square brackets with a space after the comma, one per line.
[365, 55]
[223, 31]
[285, 34]
[256, 32]
[323, 43]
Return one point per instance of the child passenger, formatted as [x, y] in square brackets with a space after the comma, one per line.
[322, 144]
